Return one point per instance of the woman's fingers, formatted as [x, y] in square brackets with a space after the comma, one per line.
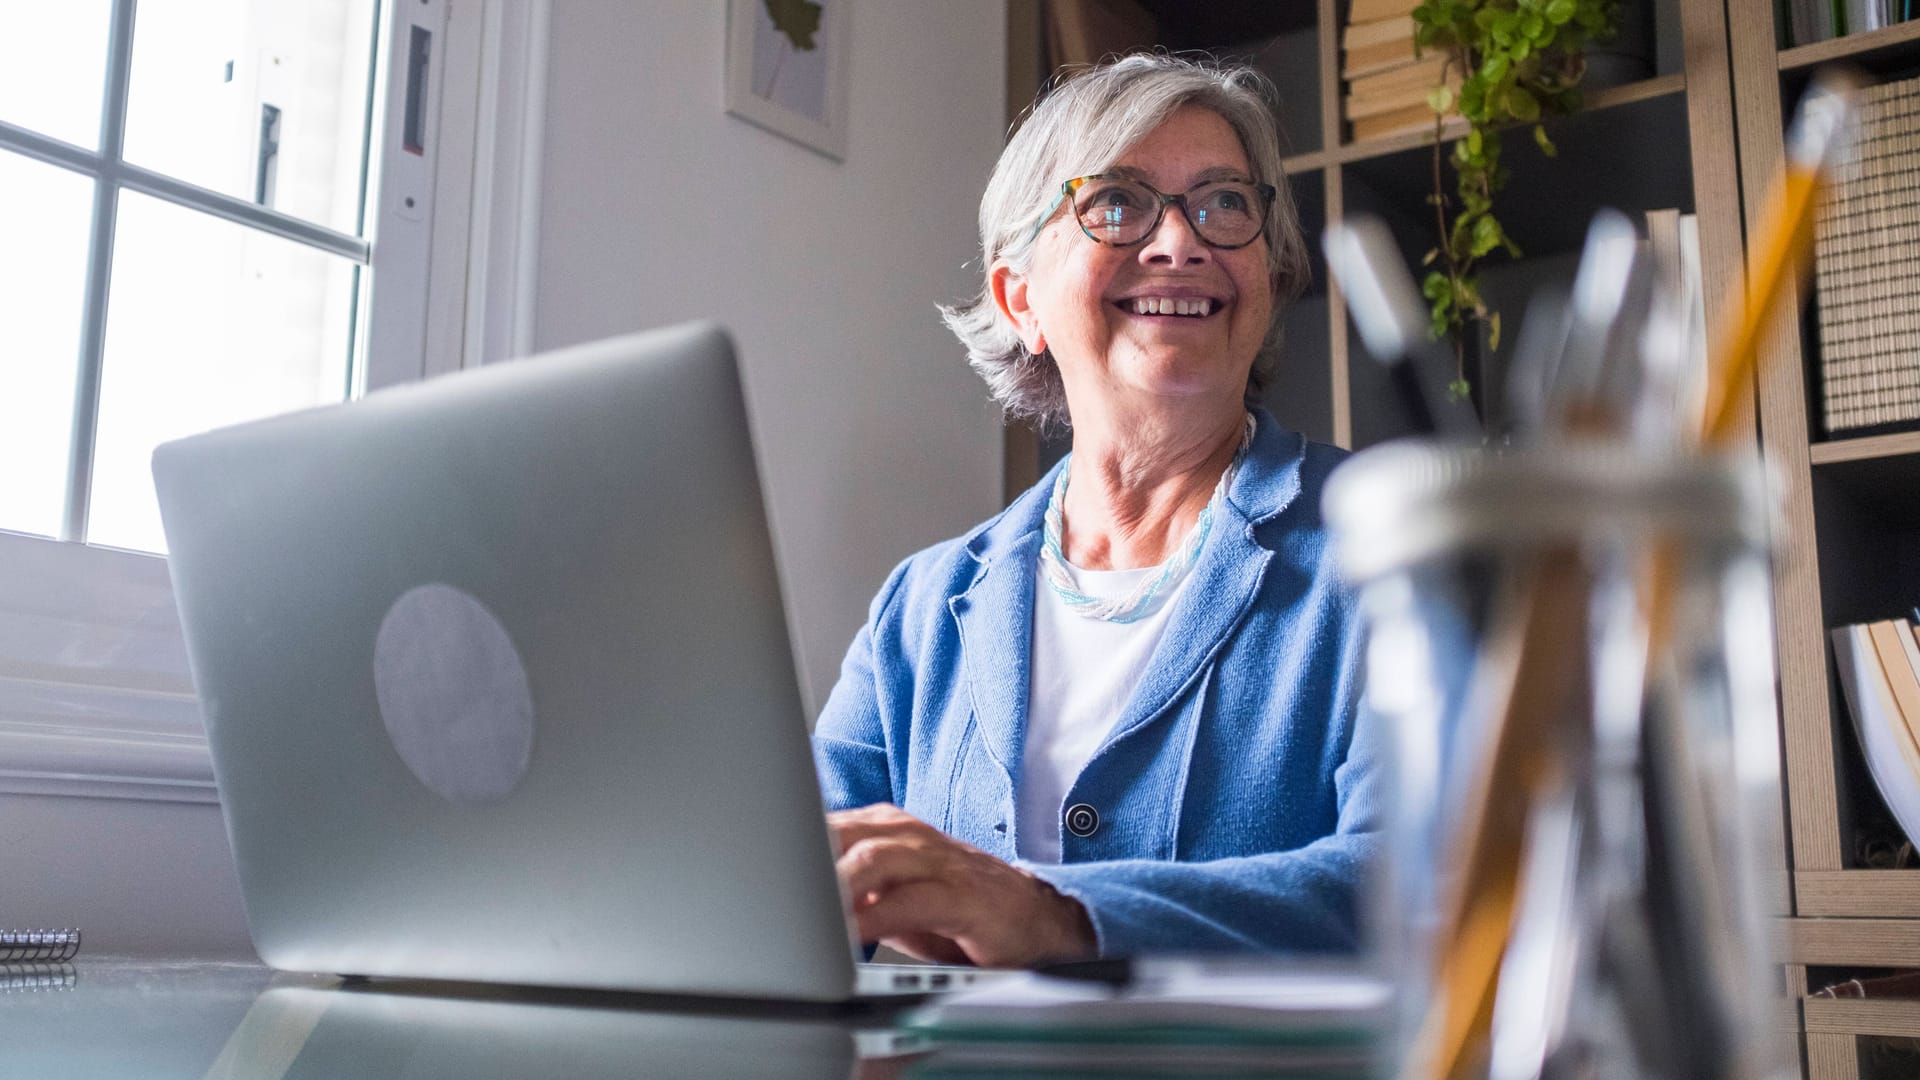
[849, 827]
[880, 863]
[935, 897]
[919, 907]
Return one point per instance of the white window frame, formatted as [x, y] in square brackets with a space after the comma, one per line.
[96, 698]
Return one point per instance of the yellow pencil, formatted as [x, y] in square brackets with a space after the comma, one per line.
[1780, 252]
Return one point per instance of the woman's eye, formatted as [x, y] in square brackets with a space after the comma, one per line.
[1115, 199]
[1228, 201]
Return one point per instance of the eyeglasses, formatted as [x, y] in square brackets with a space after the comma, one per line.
[1121, 211]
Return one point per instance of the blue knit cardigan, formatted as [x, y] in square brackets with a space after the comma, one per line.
[1238, 794]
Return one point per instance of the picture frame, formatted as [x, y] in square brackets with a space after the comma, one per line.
[786, 69]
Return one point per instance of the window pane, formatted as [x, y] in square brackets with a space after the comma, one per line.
[53, 66]
[44, 219]
[209, 324]
[265, 100]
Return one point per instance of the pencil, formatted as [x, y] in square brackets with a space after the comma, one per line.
[1780, 253]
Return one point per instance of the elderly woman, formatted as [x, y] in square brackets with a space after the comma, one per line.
[1119, 716]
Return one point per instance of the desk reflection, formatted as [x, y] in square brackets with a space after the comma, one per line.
[210, 1021]
[308, 1033]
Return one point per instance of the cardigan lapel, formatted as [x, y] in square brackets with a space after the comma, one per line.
[1226, 578]
[994, 615]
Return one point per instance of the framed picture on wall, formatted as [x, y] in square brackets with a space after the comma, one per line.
[787, 69]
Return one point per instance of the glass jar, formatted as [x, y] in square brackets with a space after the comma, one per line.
[1571, 647]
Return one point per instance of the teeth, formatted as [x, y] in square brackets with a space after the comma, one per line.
[1156, 305]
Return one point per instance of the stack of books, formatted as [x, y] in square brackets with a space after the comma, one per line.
[1879, 666]
[1387, 81]
[1867, 269]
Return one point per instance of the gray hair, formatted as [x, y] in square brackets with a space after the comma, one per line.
[1081, 127]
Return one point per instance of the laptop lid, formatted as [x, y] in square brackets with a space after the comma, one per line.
[497, 681]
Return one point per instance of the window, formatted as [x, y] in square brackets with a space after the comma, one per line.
[213, 211]
[189, 178]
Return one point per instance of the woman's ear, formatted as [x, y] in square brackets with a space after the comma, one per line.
[1009, 290]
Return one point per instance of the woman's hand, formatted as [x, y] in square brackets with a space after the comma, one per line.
[932, 897]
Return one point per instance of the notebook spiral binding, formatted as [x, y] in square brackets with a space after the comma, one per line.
[33, 978]
[38, 946]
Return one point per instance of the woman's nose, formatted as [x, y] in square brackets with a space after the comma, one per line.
[1174, 243]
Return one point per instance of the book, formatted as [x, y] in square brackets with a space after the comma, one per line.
[1863, 15]
[1371, 10]
[1367, 59]
[1885, 740]
[1426, 73]
[1409, 118]
[1809, 21]
[1390, 100]
[1376, 32]
[1891, 643]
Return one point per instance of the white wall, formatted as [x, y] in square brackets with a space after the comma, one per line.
[657, 207]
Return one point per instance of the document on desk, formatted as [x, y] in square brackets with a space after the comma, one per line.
[1190, 1009]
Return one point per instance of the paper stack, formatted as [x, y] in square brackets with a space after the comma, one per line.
[1170, 1014]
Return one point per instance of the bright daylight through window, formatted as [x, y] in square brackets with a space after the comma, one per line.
[183, 201]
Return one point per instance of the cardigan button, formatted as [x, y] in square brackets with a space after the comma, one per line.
[1082, 820]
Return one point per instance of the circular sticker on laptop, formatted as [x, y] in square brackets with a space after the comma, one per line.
[453, 695]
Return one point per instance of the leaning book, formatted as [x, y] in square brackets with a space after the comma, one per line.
[1886, 739]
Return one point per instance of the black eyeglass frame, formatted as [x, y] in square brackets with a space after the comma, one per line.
[1267, 194]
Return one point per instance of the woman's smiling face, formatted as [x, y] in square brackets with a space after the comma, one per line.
[1110, 314]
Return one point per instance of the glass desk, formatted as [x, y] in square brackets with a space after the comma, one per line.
[110, 1019]
[106, 1019]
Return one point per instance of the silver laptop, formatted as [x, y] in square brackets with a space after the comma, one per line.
[498, 686]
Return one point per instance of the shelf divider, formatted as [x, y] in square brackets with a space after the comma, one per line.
[1870, 448]
[1347, 153]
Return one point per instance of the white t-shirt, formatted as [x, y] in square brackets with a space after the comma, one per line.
[1083, 673]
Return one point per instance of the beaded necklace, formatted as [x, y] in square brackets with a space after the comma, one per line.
[1144, 598]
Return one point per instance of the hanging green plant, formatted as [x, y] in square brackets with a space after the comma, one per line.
[1518, 62]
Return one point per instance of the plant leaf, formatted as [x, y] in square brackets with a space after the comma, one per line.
[799, 20]
[1545, 144]
[1523, 105]
[1440, 99]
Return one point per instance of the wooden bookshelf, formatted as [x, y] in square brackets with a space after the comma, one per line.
[1848, 553]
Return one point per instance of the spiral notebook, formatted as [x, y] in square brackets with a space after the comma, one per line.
[38, 946]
